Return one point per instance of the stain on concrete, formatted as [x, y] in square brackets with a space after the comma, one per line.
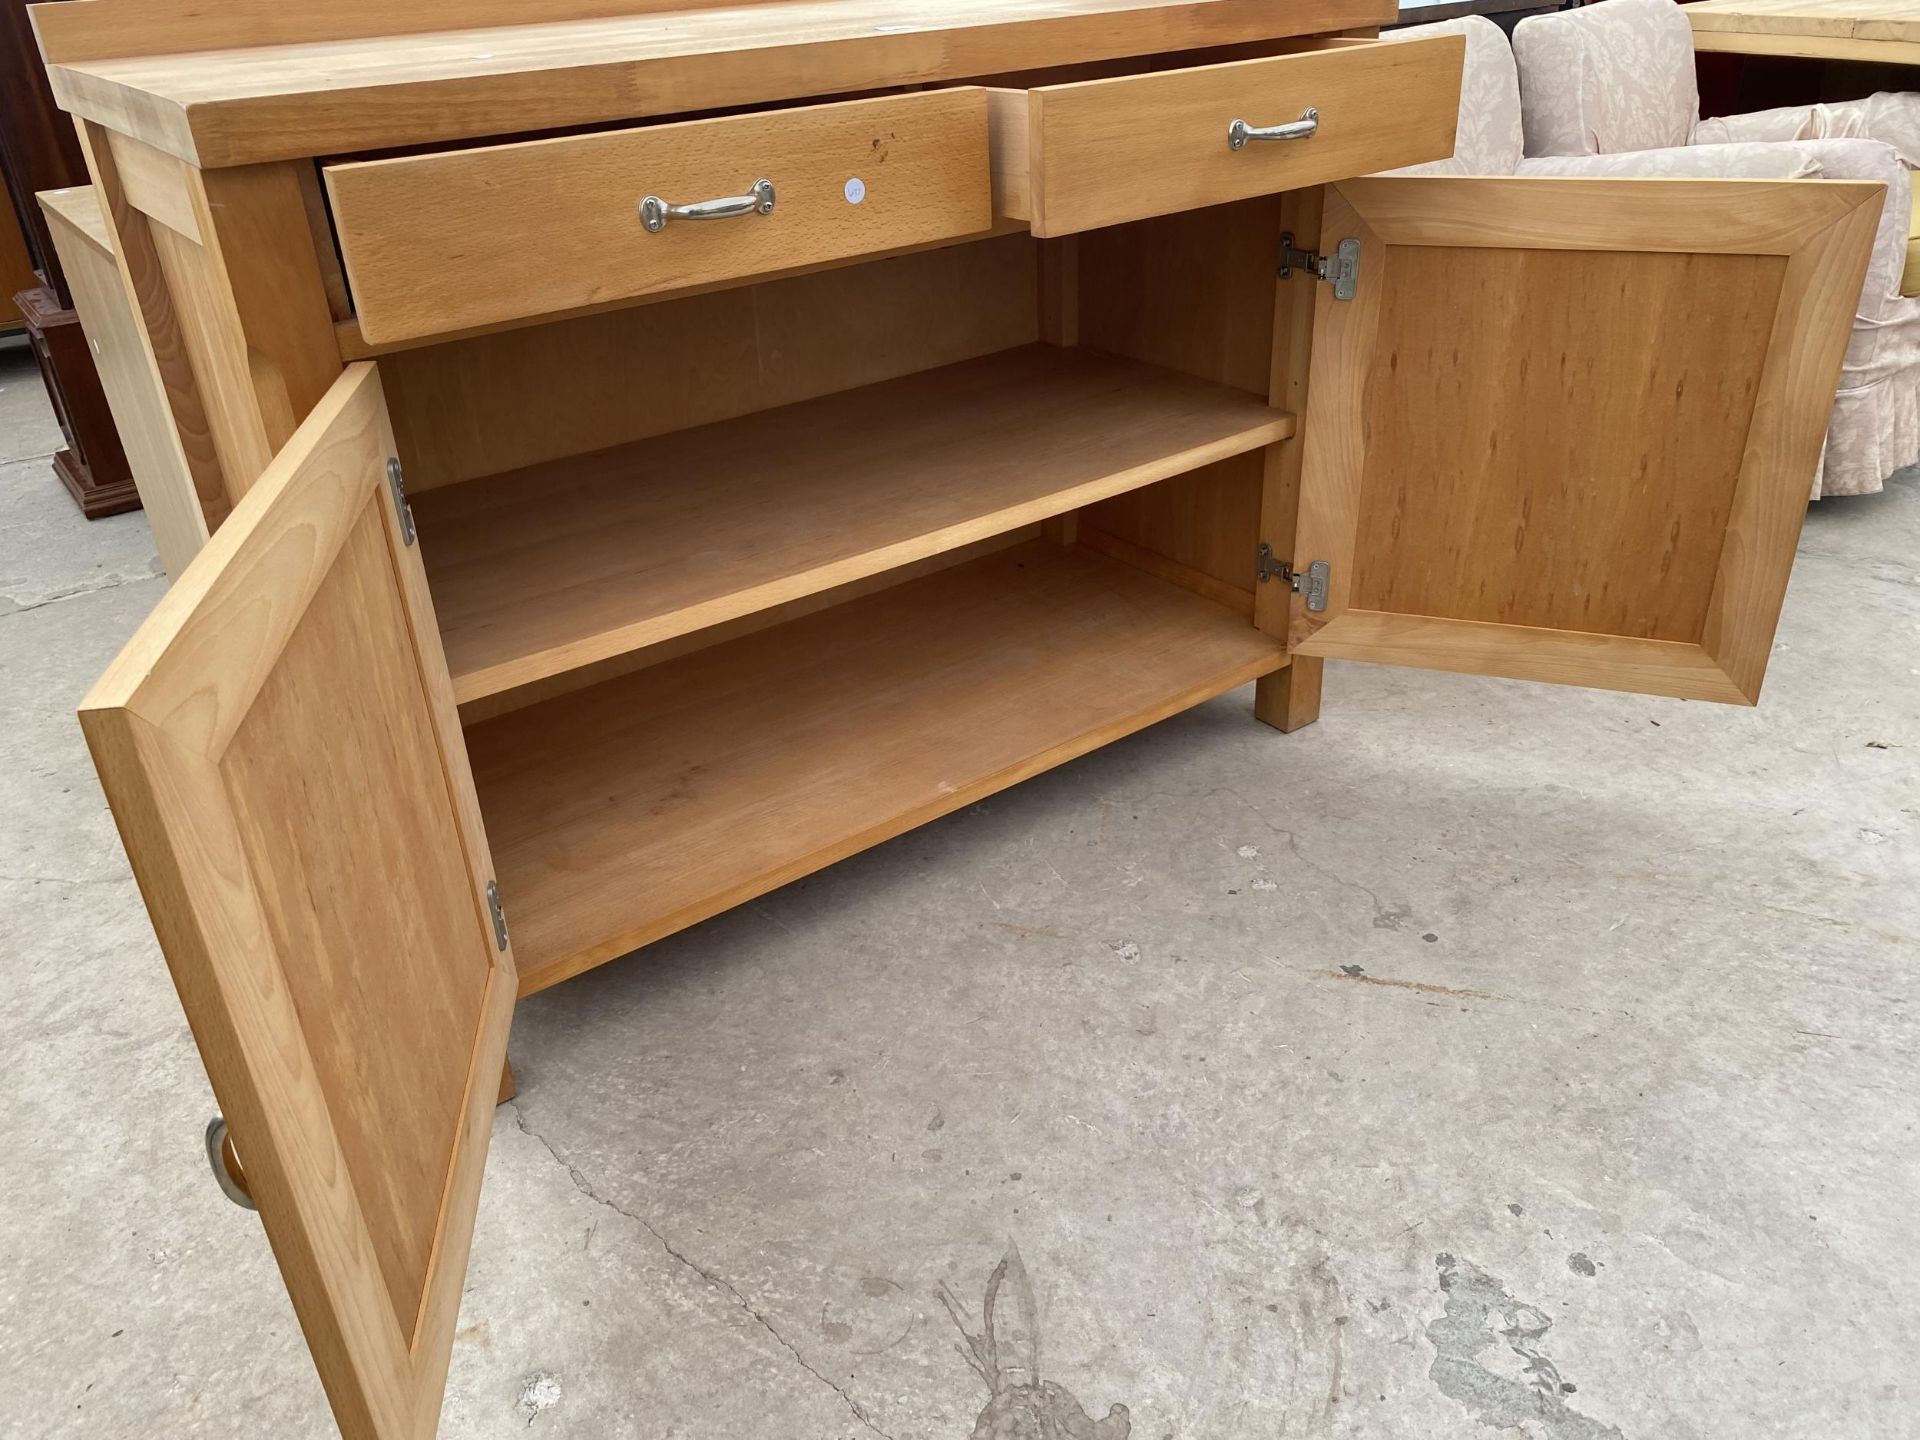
[1391, 917]
[539, 1392]
[1519, 1389]
[1005, 1353]
[1354, 972]
[1579, 1264]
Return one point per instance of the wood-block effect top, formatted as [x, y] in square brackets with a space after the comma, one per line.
[260, 80]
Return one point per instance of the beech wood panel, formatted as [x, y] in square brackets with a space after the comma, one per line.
[543, 570]
[1192, 292]
[1594, 407]
[623, 813]
[162, 331]
[316, 876]
[1565, 430]
[479, 406]
[567, 681]
[247, 91]
[1290, 698]
[1887, 31]
[1100, 152]
[129, 377]
[463, 238]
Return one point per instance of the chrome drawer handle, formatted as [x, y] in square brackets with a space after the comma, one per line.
[655, 212]
[1239, 132]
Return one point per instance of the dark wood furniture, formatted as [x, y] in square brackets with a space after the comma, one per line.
[40, 151]
[16, 272]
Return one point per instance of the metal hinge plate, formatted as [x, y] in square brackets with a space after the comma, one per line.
[499, 915]
[397, 483]
[1342, 267]
[1312, 584]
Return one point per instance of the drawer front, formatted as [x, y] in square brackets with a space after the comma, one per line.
[1106, 151]
[457, 240]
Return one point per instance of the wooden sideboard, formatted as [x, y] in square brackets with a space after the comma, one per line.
[649, 455]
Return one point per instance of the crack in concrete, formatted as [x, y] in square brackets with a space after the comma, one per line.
[1385, 917]
[717, 1281]
[9, 605]
[69, 879]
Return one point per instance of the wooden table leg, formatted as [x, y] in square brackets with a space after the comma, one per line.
[507, 1087]
[1290, 698]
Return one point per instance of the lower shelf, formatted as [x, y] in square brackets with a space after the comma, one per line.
[624, 812]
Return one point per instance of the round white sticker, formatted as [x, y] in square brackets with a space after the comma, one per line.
[856, 190]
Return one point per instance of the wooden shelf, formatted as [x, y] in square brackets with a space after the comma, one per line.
[555, 566]
[629, 810]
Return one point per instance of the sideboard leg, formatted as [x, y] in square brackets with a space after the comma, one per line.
[1290, 698]
[507, 1088]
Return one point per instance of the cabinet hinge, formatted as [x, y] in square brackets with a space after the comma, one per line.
[397, 483]
[1312, 584]
[499, 915]
[1342, 267]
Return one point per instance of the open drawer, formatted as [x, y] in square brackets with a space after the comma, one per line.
[1075, 157]
[459, 239]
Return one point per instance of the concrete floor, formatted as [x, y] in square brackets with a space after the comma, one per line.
[1485, 1060]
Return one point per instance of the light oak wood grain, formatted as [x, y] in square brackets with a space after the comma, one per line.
[223, 105]
[99, 31]
[160, 329]
[463, 238]
[1807, 47]
[569, 563]
[238, 315]
[1866, 19]
[1585, 460]
[1101, 152]
[498, 402]
[157, 184]
[1887, 31]
[290, 852]
[621, 814]
[504, 702]
[356, 346]
[1289, 698]
[135, 393]
[1192, 292]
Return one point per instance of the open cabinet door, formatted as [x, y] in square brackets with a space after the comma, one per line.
[1566, 429]
[281, 751]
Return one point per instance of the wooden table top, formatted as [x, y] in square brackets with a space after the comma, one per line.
[1884, 30]
[256, 80]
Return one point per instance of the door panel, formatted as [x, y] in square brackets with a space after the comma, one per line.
[1565, 429]
[281, 751]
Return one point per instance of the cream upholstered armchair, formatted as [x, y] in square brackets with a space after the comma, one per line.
[1489, 139]
[1610, 89]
